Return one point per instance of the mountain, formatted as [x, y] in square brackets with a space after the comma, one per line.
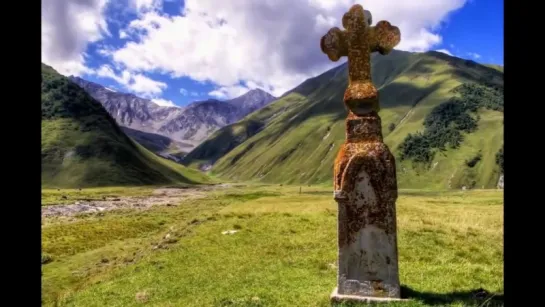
[442, 118]
[127, 109]
[251, 101]
[159, 144]
[199, 120]
[186, 127]
[82, 145]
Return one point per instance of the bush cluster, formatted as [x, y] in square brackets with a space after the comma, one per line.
[445, 124]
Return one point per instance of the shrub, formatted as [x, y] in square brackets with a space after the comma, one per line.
[391, 127]
[499, 159]
[445, 123]
[474, 160]
[46, 258]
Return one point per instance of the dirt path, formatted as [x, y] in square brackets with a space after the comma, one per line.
[159, 197]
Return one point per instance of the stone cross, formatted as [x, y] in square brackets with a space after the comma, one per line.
[365, 184]
[357, 42]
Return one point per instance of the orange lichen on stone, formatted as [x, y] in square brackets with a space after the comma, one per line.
[364, 150]
[366, 192]
[357, 42]
[364, 172]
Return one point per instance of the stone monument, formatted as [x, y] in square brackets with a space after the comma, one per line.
[364, 174]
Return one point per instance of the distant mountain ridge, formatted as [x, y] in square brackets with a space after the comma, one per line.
[426, 114]
[187, 127]
[83, 146]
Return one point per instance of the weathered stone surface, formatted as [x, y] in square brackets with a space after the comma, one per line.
[365, 184]
[339, 298]
[357, 42]
[366, 192]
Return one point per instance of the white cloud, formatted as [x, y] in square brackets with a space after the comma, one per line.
[474, 55]
[145, 85]
[164, 102]
[67, 28]
[122, 35]
[194, 94]
[273, 43]
[183, 91]
[135, 82]
[142, 6]
[228, 92]
[236, 45]
[445, 51]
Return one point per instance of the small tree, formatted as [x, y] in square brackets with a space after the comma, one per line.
[499, 158]
[391, 127]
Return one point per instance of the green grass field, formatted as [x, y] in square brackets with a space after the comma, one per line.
[284, 252]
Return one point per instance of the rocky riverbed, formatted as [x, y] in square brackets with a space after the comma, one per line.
[159, 197]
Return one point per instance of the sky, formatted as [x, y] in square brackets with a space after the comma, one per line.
[175, 51]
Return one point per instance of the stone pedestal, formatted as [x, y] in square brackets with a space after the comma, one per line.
[339, 298]
[366, 192]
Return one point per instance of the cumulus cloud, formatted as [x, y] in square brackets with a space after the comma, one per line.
[275, 43]
[235, 45]
[474, 55]
[164, 102]
[184, 92]
[445, 51]
[142, 6]
[135, 82]
[227, 92]
[68, 26]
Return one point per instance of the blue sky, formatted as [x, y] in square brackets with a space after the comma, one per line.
[175, 52]
[476, 32]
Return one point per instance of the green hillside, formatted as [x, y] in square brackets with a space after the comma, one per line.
[83, 146]
[497, 67]
[296, 138]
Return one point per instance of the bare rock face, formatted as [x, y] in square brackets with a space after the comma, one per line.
[500, 182]
[189, 126]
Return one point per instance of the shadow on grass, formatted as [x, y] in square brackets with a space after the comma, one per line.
[477, 298]
[319, 193]
[249, 196]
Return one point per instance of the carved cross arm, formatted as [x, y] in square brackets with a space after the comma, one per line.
[334, 44]
[384, 37]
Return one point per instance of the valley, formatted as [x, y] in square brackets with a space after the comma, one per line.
[294, 140]
[247, 217]
[83, 146]
[186, 127]
[188, 152]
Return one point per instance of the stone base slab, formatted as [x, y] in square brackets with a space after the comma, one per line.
[336, 297]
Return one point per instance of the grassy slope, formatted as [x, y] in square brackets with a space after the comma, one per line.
[498, 67]
[83, 146]
[299, 144]
[450, 243]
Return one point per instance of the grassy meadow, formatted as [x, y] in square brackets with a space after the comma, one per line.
[283, 253]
